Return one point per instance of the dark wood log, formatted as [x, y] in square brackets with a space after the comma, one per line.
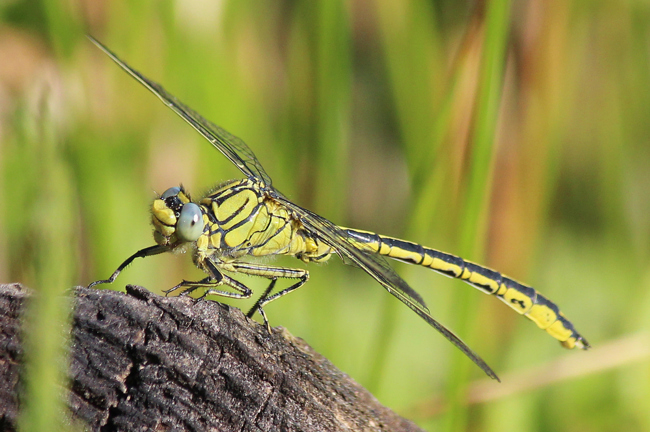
[141, 362]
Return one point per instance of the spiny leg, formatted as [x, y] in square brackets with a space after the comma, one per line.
[216, 278]
[265, 294]
[263, 301]
[272, 273]
[256, 306]
[142, 253]
[192, 286]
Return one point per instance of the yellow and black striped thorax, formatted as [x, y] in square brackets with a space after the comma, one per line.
[244, 220]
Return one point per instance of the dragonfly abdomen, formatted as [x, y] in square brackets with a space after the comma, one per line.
[522, 298]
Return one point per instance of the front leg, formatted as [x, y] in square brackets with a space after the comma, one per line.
[143, 253]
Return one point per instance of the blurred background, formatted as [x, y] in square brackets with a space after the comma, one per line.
[515, 134]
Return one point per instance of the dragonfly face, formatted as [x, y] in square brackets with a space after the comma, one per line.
[176, 219]
[251, 218]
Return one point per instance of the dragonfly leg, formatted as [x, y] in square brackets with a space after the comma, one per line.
[273, 273]
[255, 307]
[215, 279]
[189, 287]
[266, 299]
[142, 253]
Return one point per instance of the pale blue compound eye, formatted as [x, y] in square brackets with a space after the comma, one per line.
[190, 223]
[170, 192]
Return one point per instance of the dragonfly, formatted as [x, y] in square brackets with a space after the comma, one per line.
[250, 218]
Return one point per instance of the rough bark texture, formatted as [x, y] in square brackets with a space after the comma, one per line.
[143, 362]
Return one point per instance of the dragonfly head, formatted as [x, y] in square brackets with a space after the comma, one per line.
[176, 219]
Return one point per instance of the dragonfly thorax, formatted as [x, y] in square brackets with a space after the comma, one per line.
[243, 219]
[176, 219]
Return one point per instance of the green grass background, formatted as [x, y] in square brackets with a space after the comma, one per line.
[515, 134]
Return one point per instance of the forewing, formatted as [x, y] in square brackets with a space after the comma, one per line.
[232, 147]
[377, 267]
[243, 157]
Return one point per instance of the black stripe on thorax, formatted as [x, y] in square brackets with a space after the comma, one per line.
[272, 236]
[244, 221]
[222, 196]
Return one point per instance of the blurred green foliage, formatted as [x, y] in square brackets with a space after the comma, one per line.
[514, 133]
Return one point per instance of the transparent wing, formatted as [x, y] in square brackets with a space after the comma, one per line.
[377, 267]
[232, 147]
[243, 157]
